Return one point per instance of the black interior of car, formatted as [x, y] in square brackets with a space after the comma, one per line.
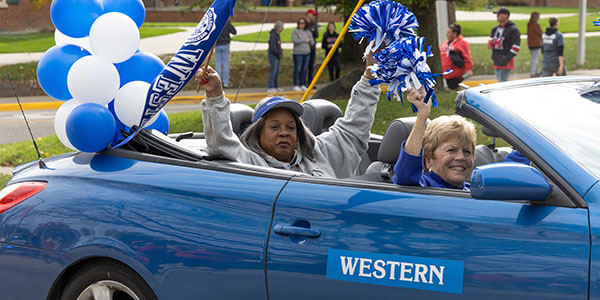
[376, 165]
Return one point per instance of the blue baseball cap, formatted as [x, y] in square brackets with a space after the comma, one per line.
[269, 104]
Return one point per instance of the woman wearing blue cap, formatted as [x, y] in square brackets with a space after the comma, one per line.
[278, 138]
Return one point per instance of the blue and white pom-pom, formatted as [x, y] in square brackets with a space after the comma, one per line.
[403, 65]
[382, 21]
[596, 23]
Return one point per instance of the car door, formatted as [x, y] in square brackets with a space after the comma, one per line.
[195, 231]
[360, 240]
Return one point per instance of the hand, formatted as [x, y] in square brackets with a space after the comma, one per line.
[370, 61]
[559, 71]
[211, 82]
[469, 73]
[416, 97]
[307, 40]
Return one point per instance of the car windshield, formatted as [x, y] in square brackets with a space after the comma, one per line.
[567, 114]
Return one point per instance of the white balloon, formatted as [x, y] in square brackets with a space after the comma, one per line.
[114, 36]
[130, 102]
[93, 79]
[60, 122]
[62, 39]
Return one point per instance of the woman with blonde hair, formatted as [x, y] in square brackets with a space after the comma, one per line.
[440, 154]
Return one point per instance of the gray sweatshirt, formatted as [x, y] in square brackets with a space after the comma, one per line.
[337, 151]
[299, 37]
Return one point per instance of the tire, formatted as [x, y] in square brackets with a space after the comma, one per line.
[106, 280]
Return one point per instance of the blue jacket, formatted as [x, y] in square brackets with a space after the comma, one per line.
[409, 171]
[516, 156]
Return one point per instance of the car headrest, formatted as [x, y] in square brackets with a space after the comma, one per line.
[483, 155]
[319, 115]
[241, 117]
[396, 133]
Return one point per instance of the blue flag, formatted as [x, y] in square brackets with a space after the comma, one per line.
[186, 62]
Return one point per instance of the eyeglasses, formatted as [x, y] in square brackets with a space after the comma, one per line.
[301, 23]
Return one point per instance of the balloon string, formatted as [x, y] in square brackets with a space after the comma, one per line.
[206, 66]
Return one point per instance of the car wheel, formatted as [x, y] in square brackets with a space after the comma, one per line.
[107, 280]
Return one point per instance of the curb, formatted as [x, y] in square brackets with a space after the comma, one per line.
[245, 97]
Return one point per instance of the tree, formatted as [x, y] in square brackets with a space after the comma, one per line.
[38, 4]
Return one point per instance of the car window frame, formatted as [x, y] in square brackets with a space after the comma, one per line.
[464, 109]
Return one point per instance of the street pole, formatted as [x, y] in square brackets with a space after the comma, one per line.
[441, 10]
[580, 60]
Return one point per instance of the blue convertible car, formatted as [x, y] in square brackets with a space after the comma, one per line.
[161, 219]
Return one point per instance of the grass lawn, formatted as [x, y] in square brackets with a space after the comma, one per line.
[541, 9]
[42, 41]
[483, 61]
[187, 24]
[258, 66]
[3, 180]
[470, 28]
[567, 24]
[286, 34]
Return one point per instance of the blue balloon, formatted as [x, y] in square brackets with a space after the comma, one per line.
[161, 124]
[119, 125]
[90, 127]
[141, 66]
[132, 8]
[53, 68]
[74, 18]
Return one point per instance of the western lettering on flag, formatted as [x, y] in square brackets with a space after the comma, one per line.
[186, 62]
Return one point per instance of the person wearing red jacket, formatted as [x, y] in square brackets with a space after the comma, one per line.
[456, 55]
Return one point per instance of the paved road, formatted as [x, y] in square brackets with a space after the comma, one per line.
[14, 128]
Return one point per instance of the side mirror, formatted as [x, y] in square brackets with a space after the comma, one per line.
[509, 181]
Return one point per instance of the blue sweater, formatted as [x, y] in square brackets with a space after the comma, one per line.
[516, 156]
[409, 171]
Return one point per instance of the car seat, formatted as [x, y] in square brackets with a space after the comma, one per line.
[319, 115]
[389, 150]
[241, 117]
[484, 155]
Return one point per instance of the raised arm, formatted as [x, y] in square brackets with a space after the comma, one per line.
[409, 167]
[348, 138]
[414, 143]
[220, 138]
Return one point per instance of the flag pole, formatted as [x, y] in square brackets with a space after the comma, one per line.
[332, 51]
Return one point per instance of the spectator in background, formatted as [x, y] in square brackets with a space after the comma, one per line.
[222, 53]
[313, 27]
[274, 54]
[303, 40]
[329, 38]
[553, 45]
[534, 41]
[505, 42]
[456, 55]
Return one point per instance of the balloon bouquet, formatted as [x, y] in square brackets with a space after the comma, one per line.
[97, 69]
[401, 59]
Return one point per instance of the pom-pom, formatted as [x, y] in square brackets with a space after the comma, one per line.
[382, 21]
[596, 23]
[403, 65]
